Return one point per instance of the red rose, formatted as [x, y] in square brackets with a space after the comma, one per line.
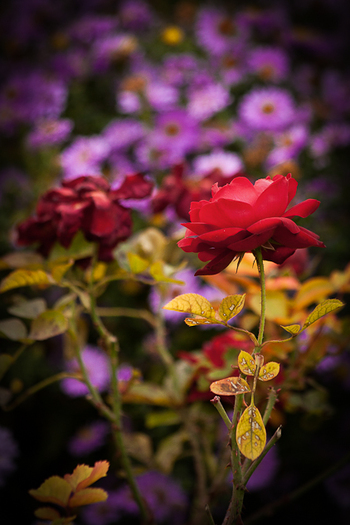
[88, 204]
[241, 217]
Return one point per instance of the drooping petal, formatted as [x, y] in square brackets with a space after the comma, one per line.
[272, 222]
[303, 209]
[218, 264]
[303, 239]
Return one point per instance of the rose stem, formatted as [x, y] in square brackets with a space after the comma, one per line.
[260, 264]
[113, 349]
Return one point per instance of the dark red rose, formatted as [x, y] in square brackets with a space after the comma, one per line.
[241, 217]
[178, 192]
[88, 204]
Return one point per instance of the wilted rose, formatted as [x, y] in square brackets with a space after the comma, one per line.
[241, 217]
[86, 204]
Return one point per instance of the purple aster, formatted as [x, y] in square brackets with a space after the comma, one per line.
[287, 145]
[204, 102]
[271, 64]
[49, 132]
[165, 497]
[331, 136]
[335, 88]
[105, 513]
[85, 155]
[161, 96]
[71, 64]
[88, 438]
[135, 15]
[179, 70]
[8, 453]
[97, 364]
[265, 472]
[267, 109]
[122, 133]
[125, 373]
[90, 27]
[231, 65]
[112, 49]
[216, 135]
[223, 163]
[128, 101]
[162, 294]
[176, 131]
[216, 31]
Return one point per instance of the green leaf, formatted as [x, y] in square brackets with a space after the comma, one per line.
[29, 309]
[6, 361]
[231, 306]
[192, 303]
[147, 393]
[169, 450]
[137, 264]
[78, 249]
[13, 329]
[161, 273]
[20, 278]
[324, 308]
[163, 418]
[251, 433]
[48, 324]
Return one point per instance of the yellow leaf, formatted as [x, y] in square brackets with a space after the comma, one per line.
[195, 321]
[246, 363]
[83, 475]
[231, 306]
[87, 496]
[324, 308]
[161, 273]
[312, 291]
[54, 490]
[293, 329]
[191, 303]
[59, 270]
[251, 433]
[269, 371]
[230, 386]
[47, 513]
[20, 278]
[137, 264]
[277, 304]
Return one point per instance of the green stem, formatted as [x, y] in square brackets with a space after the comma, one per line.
[217, 403]
[253, 465]
[233, 514]
[112, 346]
[260, 264]
[36, 388]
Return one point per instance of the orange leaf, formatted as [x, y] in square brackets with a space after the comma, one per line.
[87, 496]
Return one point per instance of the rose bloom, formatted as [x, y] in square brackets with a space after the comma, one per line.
[86, 204]
[241, 217]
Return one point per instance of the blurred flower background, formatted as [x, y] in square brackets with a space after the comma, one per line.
[179, 94]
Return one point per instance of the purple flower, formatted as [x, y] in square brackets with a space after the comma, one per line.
[176, 131]
[105, 513]
[267, 109]
[288, 145]
[85, 155]
[165, 497]
[179, 70]
[110, 49]
[97, 364]
[49, 132]
[120, 134]
[265, 472]
[269, 63]
[161, 96]
[88, 438]
[91, 27]
[224, 163]
[216, 31]
[204, 102]
[8, 453]
[332, 135]
[135, 15]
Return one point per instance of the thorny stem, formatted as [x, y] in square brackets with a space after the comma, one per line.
[112, 345]
[260, 264]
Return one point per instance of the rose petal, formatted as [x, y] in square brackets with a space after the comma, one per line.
[273, 201]
[218, 264]
[303, 209]
[227, 213]
[239, 189]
